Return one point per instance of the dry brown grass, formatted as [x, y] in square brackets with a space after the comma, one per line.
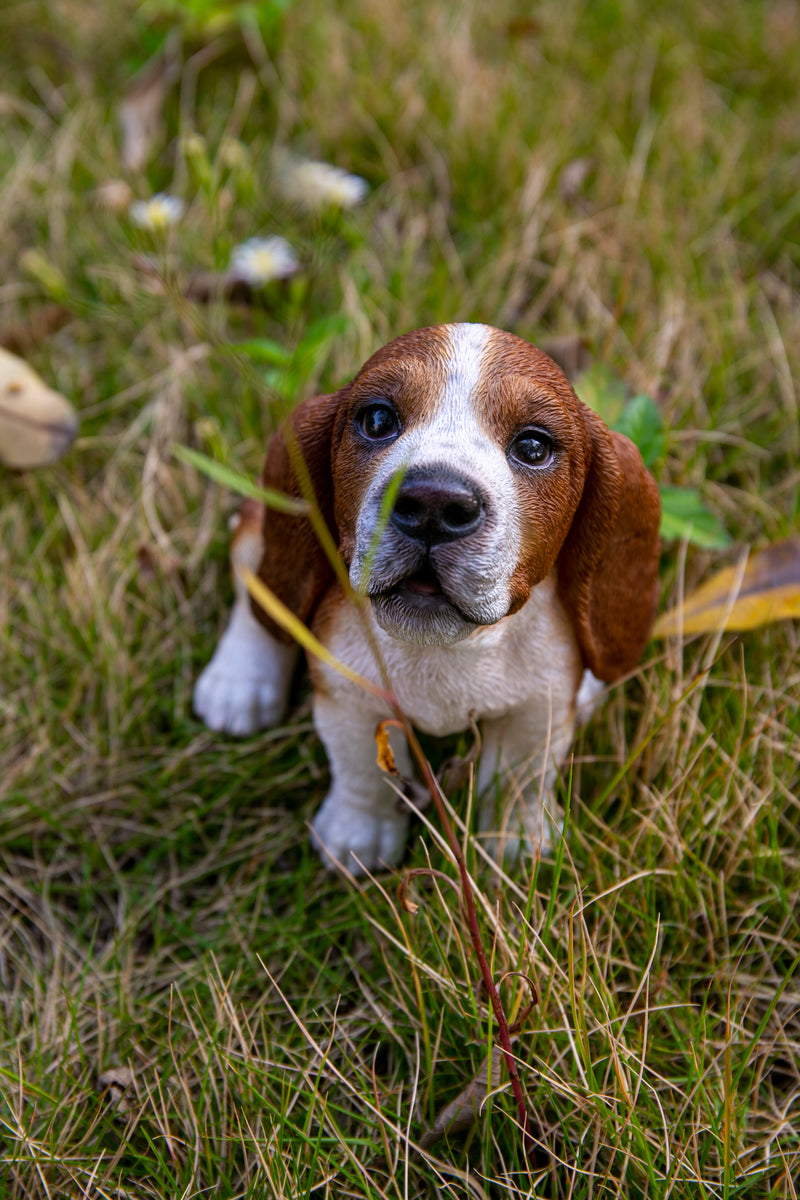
[289, 1034]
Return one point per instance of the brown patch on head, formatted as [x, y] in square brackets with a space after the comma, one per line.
[430, 346]
[522, 388]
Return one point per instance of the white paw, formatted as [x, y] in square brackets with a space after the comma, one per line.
[357, 838]
[237, 704]
[245, 687]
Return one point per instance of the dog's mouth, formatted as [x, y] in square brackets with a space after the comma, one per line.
[421, 607]
[421, 588]
[420, 594]
[423, 583]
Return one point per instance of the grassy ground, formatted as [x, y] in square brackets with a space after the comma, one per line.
[286, 1033]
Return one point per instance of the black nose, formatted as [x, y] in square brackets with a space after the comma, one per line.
[437, 507]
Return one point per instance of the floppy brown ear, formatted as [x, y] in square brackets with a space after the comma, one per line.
[608, 565]
[293, 564]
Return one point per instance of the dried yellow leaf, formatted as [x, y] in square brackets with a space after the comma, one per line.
[466, 1108]
[766, 588]
[385, 756]
[287, 620]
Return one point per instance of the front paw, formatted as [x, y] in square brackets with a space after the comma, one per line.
[359, 837]
[245, 687]
[239, 704]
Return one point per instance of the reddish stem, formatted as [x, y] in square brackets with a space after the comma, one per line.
[471, 914]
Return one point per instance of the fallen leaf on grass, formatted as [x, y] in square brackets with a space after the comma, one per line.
[140, 108]
[36, 422]
[766, 588]
[465, 1109]
[39, 324]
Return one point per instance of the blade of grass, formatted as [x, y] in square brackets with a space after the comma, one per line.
[240, 483]
[304, 637]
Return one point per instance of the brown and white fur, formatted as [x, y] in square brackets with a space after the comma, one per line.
[520, 562]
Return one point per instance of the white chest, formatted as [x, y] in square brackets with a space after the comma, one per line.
[528, 658]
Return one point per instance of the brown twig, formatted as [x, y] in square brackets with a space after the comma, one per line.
[471, 915]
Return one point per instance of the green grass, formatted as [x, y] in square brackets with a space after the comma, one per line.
[291, 1034]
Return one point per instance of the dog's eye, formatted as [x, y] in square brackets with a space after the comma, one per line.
[532, 448]
[378, 422]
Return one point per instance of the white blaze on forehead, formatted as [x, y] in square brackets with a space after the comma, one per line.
[463, 365]
[453, 434]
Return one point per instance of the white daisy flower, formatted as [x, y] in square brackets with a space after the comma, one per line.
[157, 213]
[317, 185]
[259, 260]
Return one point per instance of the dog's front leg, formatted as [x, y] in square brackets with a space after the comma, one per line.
[516, 777]
[245, 686]
[361, 823]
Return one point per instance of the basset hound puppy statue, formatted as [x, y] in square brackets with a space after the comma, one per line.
[518, 567]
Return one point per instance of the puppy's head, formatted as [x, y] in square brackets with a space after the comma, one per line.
[491, 448]
[500, 474]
